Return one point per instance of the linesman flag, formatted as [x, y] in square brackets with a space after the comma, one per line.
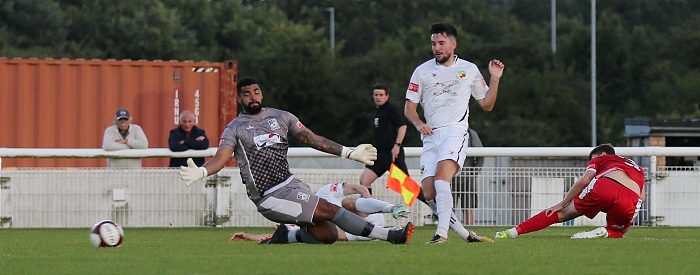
[401, 183]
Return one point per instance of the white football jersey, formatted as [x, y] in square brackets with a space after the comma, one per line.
[444, 92]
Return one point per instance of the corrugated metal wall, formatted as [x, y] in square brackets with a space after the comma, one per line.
[69, 103]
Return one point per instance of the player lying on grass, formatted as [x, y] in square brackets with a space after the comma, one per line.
[365, 206]
[611, 184]
[259, 140]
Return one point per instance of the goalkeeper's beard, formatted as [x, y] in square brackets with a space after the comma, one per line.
[251, 110]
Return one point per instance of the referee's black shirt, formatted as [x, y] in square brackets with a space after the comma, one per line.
[387, 121]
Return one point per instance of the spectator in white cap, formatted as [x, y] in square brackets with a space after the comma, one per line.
[124, 135]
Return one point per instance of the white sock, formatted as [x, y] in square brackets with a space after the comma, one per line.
[369, 205]
[444, 202]
[455, 225]
[292, 235]
[378, 233]
[432, 205]
[353, 238]
[458, 228]
[513, 232]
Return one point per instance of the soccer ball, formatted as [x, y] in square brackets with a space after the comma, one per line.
[106, 234]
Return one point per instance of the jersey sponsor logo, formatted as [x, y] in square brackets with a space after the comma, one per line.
[483, 82]
[221, 142]
[376, 122]
[299, 125]
[334, 187]
[462, 74]
[266, 140]
[249, 127]
[422, 169]
[303, 196]
[413, 87]
[273, 124]
[440, 88]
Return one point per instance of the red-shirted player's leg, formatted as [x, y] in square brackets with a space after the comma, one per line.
[537, 222]
[622, 214]
[542, 221]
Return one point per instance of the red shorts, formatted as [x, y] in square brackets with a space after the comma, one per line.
[608, 196]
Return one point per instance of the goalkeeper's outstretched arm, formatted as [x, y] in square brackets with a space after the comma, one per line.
[191, 173]
[364, 153]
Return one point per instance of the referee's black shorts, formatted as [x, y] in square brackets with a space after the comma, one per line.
[383, 163]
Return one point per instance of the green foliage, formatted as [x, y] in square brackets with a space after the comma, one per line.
[647, 63]
[32, 23]
[208, 251]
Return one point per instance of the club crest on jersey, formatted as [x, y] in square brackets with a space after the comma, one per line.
[266, 140]
[422, 169]
[299, 125]
[462, 74]
[273, 124]
[303, 196]
[334, 187]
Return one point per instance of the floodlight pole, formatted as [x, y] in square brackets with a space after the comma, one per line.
[331, 10]
[554, 26]
[593, 75]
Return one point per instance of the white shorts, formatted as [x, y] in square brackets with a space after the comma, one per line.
[445, 143]
[333, 193]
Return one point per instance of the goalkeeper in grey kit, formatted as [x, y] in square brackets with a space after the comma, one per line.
[258, 139]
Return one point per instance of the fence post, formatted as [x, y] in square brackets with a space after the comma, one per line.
[652, 190]
[223, 197]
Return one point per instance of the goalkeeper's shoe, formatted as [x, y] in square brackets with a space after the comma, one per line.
[438, 239]
[401, 236]
[505, 234]
[399, 211]
[474, 238]
[599, 232]
[278, 237]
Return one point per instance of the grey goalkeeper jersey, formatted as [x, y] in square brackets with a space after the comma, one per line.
[260, 144]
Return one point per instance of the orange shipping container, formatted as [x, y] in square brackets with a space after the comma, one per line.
[69, 103]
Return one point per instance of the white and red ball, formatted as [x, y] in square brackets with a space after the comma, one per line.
[106, 234]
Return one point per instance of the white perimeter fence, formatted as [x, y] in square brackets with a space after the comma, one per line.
[156, 197]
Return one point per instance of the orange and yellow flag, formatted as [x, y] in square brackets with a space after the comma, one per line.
[401, 183]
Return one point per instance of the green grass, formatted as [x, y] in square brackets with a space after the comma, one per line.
[645, 250]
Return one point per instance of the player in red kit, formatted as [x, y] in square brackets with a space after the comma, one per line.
[611, 184]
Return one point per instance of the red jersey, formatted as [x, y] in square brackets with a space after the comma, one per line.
[606, 163]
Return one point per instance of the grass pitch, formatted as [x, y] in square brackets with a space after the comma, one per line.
[645, 250]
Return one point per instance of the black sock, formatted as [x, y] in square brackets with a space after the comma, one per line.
[421, 197]
[305, 237]
[370, 190]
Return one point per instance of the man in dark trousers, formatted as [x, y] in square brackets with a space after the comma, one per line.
[187, 136]
[389, 131]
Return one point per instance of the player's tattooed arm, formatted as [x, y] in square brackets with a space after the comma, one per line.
[317, 142]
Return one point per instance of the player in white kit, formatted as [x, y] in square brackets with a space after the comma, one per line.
[443, 87]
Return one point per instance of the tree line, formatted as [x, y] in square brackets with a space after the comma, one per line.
[647, 63]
